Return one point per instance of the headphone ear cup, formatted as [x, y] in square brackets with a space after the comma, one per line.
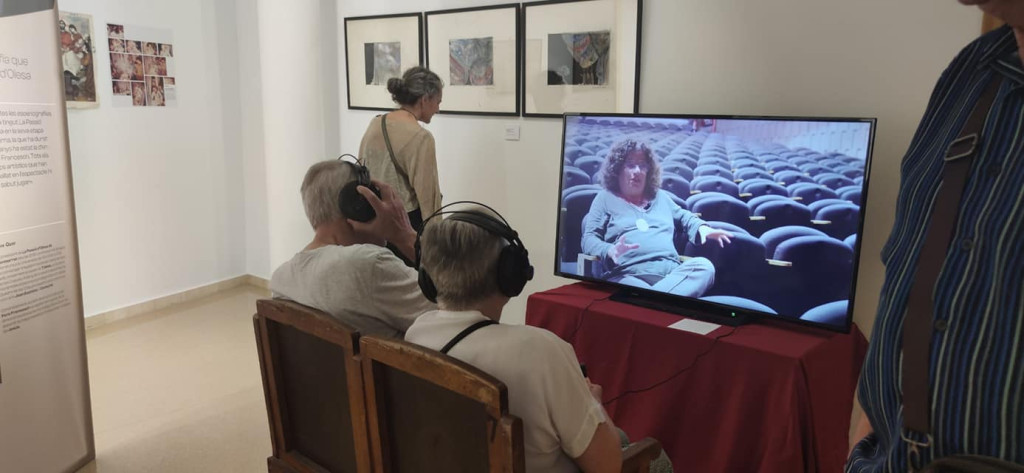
[427, 286]
[353, 205]
[514, 270]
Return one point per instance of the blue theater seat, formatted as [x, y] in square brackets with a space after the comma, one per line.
[760, 187]
[756, 202]
[715, 184]
[751, 173]
[574, 207]
[851, 241]
[810, 193]
[818, 205]
[589, 164]
[574, 152]
[813, 169]
[712, 170]
[819, 271]
[779, 166]
[843, 220]
[675, 185]
[832, 313]
[774, 237]
[833, 180]
[572, 177]
[678, 169]
[788, 178]
[723, 208]
[738, 264]
[781, 213]
[852, 195]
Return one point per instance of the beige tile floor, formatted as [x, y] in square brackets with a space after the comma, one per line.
[179, 390]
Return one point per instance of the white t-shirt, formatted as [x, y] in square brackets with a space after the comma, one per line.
[546, 388]
[364, 285]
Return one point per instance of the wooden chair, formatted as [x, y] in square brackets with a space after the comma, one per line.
[428, 409]
[312, 382]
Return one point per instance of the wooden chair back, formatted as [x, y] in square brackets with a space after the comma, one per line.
[431, 412]
[312, 382]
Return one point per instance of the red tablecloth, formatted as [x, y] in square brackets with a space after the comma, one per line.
[767, 397]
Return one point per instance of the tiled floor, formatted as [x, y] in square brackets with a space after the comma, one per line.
[179, 390]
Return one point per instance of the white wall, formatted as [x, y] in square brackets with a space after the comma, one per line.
[869, 58]
[158, 191]
[176, 198]
[872, 58]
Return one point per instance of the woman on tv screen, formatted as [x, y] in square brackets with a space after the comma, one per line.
[632, 223]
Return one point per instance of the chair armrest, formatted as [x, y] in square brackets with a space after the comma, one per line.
[581, 262]
[821, 222]
[776, 262]
[757, 218]
[637, 457]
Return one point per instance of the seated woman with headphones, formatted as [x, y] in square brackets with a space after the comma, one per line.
[471, 263]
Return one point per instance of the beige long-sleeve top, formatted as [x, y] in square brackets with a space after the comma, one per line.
[414, 151]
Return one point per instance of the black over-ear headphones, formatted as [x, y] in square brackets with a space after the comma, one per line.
[513, 269]
[351, 203]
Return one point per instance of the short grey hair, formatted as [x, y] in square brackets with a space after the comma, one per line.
[417, 82]
[320, 189]
[462, 259]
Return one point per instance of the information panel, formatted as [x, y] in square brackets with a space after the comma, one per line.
[45, 415]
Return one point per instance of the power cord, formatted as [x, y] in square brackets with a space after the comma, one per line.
[676, 374]
[583, 315]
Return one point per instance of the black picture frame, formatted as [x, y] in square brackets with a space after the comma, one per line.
[381, 99]
[527, 58]
[514, 75]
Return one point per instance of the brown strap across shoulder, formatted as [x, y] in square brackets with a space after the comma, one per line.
[917, 326]
[391, 152]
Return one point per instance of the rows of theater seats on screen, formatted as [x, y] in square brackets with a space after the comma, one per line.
[795, 212]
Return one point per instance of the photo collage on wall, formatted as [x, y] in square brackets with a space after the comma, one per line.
[141, 66]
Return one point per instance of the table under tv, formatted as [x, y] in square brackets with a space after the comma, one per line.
[763, 397]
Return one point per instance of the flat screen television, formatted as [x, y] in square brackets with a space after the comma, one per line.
[728, 215]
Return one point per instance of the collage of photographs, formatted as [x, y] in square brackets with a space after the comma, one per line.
[139, 69]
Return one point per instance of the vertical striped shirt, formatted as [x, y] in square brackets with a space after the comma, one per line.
[977, 346]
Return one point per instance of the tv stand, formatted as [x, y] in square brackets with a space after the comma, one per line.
[706, 311]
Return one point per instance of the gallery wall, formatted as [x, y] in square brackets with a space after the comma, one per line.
[181, 200]
[871, 58]
[158, 191]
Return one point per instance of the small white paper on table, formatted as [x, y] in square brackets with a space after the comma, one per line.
[695, 326]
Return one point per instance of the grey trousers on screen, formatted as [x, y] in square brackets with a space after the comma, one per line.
[691, 278]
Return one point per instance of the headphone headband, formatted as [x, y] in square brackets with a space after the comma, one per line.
[513, 266]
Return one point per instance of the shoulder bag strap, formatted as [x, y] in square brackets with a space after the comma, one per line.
[391, 152]
[917, 325]
[465, 333]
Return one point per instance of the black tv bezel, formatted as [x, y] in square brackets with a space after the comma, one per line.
[702, 306]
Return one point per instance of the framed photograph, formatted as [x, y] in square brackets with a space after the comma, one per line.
[76, 54]
[378, 48]
[581, 56]
[476, 53]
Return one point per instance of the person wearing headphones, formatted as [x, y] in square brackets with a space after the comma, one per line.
[346, 271]
[471, 263]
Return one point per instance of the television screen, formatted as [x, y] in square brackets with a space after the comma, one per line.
[760, 215]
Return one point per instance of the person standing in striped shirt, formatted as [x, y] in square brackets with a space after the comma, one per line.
[976, 355]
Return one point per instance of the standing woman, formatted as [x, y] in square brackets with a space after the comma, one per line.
[400, 152]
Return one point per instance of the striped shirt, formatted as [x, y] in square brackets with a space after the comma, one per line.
[977, 348]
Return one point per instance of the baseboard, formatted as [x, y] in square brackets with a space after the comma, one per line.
[128, 312]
